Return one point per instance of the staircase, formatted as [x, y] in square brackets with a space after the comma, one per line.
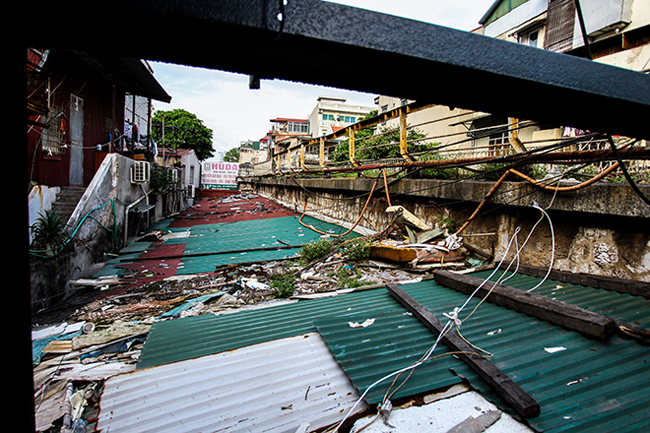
[66, 201]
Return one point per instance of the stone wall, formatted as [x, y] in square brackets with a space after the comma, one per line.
[601, 229]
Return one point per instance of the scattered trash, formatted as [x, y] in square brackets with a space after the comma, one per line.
[554, 349]
[104, 336]
[453, 242]
[256, 285]
[495, 332]
[580, 379]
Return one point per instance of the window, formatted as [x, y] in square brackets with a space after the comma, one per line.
[560, 23]
[498, 144]
[533, 38]
[530, 38]
[328, 117]
[347, 119]
[298, 127]
[53, 136]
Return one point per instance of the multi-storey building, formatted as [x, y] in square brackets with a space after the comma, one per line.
[332, 113]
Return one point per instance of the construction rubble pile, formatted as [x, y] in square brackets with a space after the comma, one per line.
[76, 350]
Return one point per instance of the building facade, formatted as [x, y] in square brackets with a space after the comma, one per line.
[332, 113]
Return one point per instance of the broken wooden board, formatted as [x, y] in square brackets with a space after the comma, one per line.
[632, 287]
[478, 424]
[553, 311]
[405, 253]
[520, 400]
[58, 347]
[407, 217]
[109, 280]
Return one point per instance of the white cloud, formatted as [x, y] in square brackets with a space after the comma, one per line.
[231, 110]
[235, 113]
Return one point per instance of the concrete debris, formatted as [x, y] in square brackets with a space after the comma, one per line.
[478, 424]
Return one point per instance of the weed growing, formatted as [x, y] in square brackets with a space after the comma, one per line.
[283, 284]
[316, 250]
[357, 250]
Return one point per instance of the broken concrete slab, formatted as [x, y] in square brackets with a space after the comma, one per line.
[441, 416]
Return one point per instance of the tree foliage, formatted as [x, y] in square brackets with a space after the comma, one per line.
[183, 130]
[232, 155]
[370, 145]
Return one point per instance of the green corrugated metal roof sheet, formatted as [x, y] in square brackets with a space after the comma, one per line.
[248, 235]
[181, 339]
[209, 246]
[589, 386]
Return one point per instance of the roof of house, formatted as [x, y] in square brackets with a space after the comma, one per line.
[275, 386]
[134, 74]
[217, 233]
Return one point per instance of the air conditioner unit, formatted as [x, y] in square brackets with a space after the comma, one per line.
[140, 172]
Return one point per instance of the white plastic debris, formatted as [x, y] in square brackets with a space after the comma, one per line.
[361, 325]
[554, 349]
[453, 242]
[256, 285]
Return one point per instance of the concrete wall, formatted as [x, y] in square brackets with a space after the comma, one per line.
[601, 229]
[98, 228]
[39, 201]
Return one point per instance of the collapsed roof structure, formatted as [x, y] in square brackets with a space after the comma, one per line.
[562, 357]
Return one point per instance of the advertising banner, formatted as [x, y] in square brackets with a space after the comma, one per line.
[219, 175]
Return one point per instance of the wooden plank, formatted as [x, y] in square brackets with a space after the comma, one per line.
[512, 393]
[553, 311]
[632, 287]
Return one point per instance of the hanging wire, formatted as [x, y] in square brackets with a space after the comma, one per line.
[430, 351]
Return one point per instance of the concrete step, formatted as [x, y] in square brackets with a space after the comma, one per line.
[67, 200]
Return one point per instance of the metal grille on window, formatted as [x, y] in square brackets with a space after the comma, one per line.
[54, 134]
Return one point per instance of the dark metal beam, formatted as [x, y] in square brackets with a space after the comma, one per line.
[339, 46]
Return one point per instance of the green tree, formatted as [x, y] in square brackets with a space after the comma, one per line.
[385, 144]
[182, 130]
[232, 155]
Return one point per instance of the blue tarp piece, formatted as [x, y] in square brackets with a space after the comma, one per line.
[190, 303]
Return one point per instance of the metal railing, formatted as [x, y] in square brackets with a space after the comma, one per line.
[346, 150]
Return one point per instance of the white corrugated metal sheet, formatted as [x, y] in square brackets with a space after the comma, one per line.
[268, 387]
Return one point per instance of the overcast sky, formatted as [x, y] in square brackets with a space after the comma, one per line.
[235, 113]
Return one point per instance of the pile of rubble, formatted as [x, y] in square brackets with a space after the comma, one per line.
[75, 351]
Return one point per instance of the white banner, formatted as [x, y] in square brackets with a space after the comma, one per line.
[219, 175]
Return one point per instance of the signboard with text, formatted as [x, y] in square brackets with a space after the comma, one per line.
[219, 175]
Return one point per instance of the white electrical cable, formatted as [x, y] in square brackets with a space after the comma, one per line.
[435, 345]
[550, 266]
[517, 267]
